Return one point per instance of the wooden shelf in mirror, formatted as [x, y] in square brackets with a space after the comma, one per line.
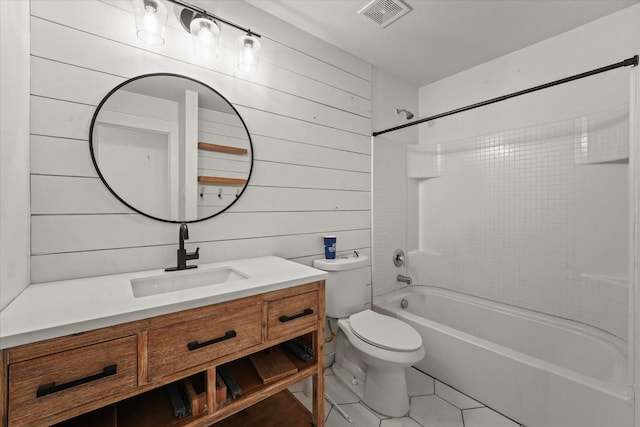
[221, 180]
[222, 148]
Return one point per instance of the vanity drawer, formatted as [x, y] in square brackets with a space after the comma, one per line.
[59, 382]
[289, 314]
[181, 346]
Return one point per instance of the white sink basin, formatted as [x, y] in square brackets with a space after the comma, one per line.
[188, 279]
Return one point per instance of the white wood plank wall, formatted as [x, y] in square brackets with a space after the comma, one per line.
[308, 110]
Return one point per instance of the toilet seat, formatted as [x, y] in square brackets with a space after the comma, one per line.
[384, 331]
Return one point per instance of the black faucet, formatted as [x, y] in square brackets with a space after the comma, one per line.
[183, 255]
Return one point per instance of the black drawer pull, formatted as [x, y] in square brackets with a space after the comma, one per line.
[50, 388]
[305, 312]
[194, 345]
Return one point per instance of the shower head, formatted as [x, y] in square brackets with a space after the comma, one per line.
[407, 112]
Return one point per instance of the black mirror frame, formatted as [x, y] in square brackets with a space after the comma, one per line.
[104, 181]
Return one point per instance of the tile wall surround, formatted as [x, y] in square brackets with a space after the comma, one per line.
[509, 216]
[389, 222]
[389, 187]
[308, 110]
[598, 254]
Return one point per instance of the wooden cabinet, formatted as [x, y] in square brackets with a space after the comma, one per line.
[118, 376]
[177, 347]
[53, 384]
[292, 313]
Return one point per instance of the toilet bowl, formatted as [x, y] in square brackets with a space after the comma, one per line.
[372, 350]
[372, 363]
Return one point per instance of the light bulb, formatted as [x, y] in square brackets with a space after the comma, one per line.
[248, 52]
[206, 35]
[151, 23]
[151, 18]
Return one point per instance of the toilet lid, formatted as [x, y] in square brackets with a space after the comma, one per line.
[384, 331]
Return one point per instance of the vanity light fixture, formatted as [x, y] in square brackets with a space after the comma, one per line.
[248, 52]
[205, 30]
[151, 18]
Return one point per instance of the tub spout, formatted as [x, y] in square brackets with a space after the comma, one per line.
[404, 278]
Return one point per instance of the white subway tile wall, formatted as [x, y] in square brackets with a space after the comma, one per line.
[389, 218]
[526, 217]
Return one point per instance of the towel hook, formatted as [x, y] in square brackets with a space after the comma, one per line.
[201, 191]
[220, 193]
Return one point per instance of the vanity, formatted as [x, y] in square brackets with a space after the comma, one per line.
[157, 348]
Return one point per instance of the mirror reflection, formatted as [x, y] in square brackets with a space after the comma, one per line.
[171, 148]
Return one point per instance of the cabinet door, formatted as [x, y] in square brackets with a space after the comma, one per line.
[65, 381]
[291, 314]
[191, 343]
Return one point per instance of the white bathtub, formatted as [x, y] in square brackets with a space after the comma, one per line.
[536, 369]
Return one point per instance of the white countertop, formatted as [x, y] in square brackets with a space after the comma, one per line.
[54, 309]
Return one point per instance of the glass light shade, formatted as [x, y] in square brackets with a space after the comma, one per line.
[151, 18]
[205, 34]
[248, 52]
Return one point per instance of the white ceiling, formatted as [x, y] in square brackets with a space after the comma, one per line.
[438, 38]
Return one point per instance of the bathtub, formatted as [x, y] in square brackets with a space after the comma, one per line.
[539, 370]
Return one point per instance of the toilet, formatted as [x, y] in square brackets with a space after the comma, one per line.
[372, 350]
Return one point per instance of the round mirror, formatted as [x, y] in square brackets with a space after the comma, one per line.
[171, 148]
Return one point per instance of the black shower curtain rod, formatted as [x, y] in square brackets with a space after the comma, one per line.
[626, 63]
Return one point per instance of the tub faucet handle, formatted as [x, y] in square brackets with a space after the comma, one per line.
[398, 258]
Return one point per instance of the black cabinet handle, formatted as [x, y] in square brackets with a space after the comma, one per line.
[50, 388]
[194, 345]
[305, 312]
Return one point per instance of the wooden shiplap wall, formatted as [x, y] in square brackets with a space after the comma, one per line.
[308, 111]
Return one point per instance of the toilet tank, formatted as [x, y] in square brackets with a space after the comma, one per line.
[346, 284]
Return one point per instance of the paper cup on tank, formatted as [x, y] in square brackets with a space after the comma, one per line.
[329, 247]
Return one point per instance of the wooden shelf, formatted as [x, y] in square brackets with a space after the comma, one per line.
[105, 417]
[222, 148]
[272, 364]
[245, 374]
[150, 409]
[153, 408]
[281, 409]
[221, 180]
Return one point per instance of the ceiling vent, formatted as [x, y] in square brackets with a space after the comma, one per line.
[384, 12]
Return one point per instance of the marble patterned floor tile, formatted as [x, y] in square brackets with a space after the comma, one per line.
[485, 417]
[418, 383]
[432, 411]
[327, 408]
[359, 414]
[399, 422]
[338, 391]
[453, 396]
[433, 404]
[378, 414]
